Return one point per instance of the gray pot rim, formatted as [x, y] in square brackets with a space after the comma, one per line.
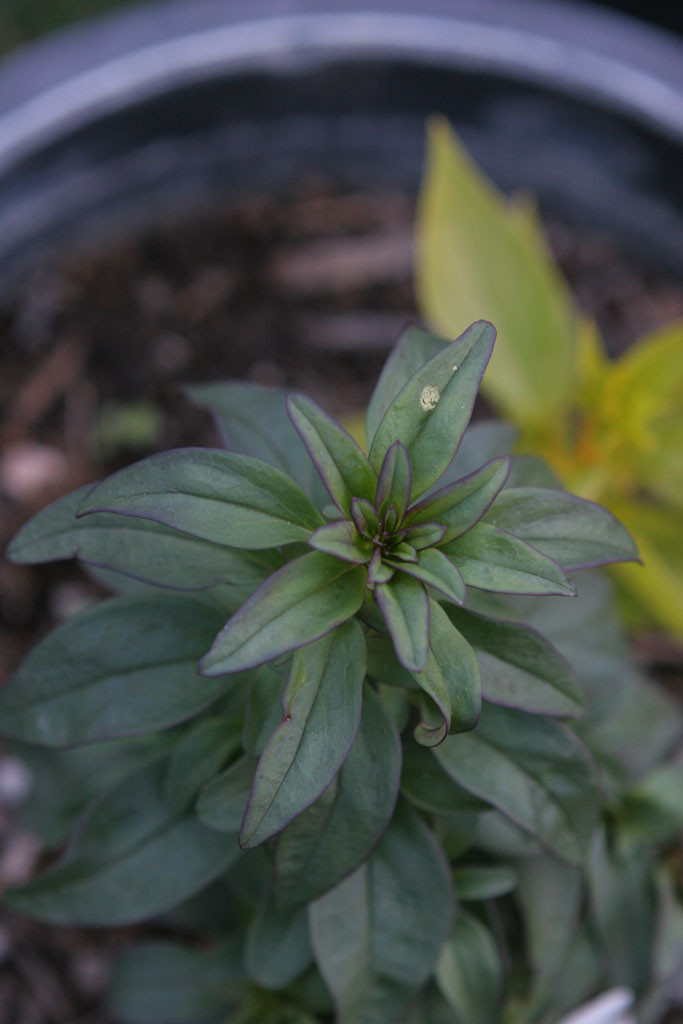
[78, 76]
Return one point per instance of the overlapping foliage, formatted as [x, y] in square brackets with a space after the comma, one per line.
[612, 430]
[314, 729]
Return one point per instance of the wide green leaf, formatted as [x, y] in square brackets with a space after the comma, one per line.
[450, 677]
[430, 413]
[222, 801]
[321, 710]
[574, 532]
[127, 666]
[134, 858]
[278, 948]
[253, 420]
[470, 972]
[405, 606]
[519, 668]
[414, 348]
[342, 465]
[210, 494]
[436, 570]
[535, 771]
[301, 602]
[342, 539]
[137, 548]
[202, 750]
[377, 935]
[174, 983]
[394, 483]
[462, 504]
[492, 559]
[330, 839]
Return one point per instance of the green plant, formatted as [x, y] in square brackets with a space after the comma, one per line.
[612, 430]
[383, 773]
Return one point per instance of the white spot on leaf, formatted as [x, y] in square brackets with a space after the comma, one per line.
[429, 398]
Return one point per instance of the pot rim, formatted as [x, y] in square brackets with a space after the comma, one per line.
[78, 76]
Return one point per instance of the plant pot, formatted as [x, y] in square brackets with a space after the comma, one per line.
[178, 104]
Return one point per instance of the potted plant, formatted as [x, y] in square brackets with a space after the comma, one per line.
[424, 753]
[117, 152]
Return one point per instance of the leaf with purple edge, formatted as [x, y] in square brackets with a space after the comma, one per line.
[462, 504]
[321, 709]
[535, 771]
[519, 667]
[300, 603]
[405, 607]
[430, 413]
[217, 496]
[378, 570]
[450, 678]
[404, 553]
[424, 535]
[364, 516]
[342, 465]
[137, 548]
[436, 570]
[573, 531]
[330, 839]
[342, 540]
[492, 559]
[395, 479]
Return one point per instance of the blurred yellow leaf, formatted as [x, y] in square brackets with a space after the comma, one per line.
[482, 256]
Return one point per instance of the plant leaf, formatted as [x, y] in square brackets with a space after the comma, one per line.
[430, 413]
[492, 559]
[436, 570]
[174, 983]
[572, 531]
[450, 677]
[414, 348]
[201, 751]
[424, 535]
[395, 480]
[425, 783]
[342, 540]
[330, 839]
[210, 494]
[278, 948]
[462, 504]
[301, 602]
[469, 972]
[111, 873]
[479, 254]
[222, 801]
[253, 420]
[125, 667]
[263, 707]
[343, 467]
[535, 771]
[321, 711]
[137, 548]
[550, 896]
[376, 937]
[405, 606]
[519, 668]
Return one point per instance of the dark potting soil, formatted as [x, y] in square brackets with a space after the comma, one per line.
[306, 291]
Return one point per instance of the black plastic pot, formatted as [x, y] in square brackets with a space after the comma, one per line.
[182, 103]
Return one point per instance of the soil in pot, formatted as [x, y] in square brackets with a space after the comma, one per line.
[306, 291]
